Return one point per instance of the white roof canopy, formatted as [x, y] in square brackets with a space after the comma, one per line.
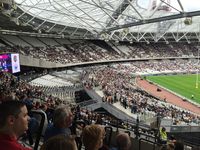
[99, 16]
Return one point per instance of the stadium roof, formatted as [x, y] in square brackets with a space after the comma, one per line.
[111, 19]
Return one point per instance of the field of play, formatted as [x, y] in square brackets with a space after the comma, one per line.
[185, 85]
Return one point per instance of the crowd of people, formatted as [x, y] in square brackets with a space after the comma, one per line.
[144, 50]
[85, 51]
[17, 99]
[116, 81]
[71, 53]
[119, 86]
[162, 66]
[60, 133]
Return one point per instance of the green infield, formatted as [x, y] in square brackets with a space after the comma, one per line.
[185, 85]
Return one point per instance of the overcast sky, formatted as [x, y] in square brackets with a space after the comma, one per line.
[189, 5]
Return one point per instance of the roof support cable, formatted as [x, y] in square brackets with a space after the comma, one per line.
[105, 9]
[86, 14]
[26, 10]
[171, 6]
[135, 9]
[180, 4]
[89, 29]
[106, 12]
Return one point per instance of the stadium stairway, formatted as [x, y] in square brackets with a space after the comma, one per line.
[109, 107]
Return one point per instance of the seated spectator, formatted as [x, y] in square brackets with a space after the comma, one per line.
[62, 120]
[123, 142]
[60, 142]
[93, 136]
[13, 123]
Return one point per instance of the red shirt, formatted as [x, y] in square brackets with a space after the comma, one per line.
[10, 143]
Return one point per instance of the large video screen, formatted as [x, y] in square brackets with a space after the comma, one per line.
[15, 63]
[5, 63]
[9, 63]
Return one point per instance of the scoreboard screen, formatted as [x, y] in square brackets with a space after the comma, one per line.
[9, 63]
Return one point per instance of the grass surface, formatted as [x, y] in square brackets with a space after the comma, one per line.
[184, 85]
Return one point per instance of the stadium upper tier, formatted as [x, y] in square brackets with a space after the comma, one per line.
[78, 51]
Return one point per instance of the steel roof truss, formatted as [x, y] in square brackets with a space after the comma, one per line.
[51, 27]
[26, 10]
[94, 29]
[175, 37]
[74, 32]
[130, 4]
[62, 30]
[182, 36]
[158, 38]
[106, 12]
[86, 14]
[133, 36]
[198, 35]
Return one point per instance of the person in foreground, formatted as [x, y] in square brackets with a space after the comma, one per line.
[123, 141]
[13, 123]
[62, 120]
[60, 142]
[93, 136]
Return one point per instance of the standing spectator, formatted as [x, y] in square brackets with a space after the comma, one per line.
[163, 135]
[13, 123]
[62, 120]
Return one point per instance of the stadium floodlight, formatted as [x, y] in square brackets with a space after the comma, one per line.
[116, 41]
[188, 21]
[103, 36]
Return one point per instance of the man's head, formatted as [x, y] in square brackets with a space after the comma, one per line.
[123, 141]
[62, 117]
[13, 118]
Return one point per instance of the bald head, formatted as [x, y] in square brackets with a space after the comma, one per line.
[123, 141]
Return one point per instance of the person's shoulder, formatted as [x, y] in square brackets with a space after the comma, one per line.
[12, 145]
[49, 127]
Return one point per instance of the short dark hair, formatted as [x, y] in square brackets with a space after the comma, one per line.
[9, 108]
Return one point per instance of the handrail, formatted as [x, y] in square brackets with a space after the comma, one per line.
[40, 129]
[142, 139]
